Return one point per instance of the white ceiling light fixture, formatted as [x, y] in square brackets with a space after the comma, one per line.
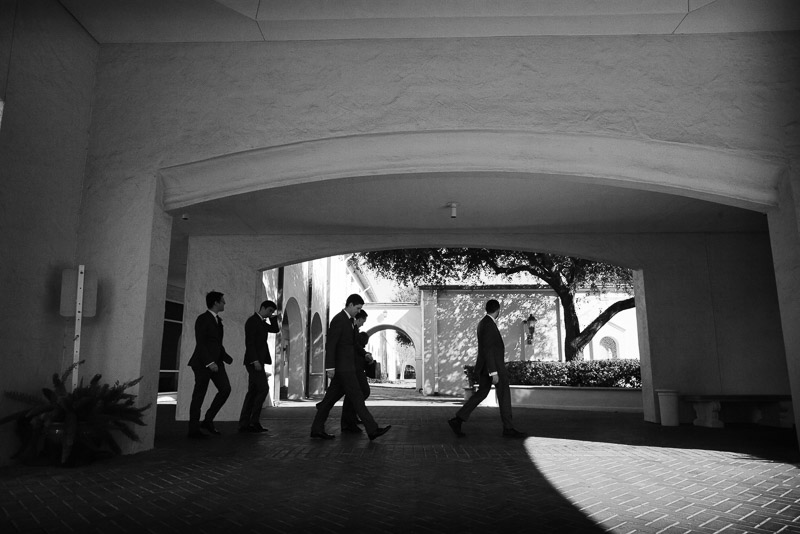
[453, 209]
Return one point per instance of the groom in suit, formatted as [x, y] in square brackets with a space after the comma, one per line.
[256, 356]
[491, 369]
[340, 366]
[363, 358]
[208, 364]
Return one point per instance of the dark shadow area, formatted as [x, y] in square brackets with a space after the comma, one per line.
[578, 472]
[418, 478]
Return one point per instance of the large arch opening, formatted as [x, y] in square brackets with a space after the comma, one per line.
[732, 178]
[669, 212]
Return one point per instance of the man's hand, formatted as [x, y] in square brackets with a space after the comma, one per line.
[213, 367]
[330, 373]
[257, 366]
[495, 379]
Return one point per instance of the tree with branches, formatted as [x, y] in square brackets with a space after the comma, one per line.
[566, 275]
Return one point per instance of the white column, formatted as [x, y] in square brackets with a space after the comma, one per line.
[784, 232]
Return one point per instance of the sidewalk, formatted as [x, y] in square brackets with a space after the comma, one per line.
[585, 472]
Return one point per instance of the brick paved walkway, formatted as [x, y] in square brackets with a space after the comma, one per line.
[578, 472]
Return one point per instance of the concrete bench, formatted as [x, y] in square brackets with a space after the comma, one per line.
[771, 410]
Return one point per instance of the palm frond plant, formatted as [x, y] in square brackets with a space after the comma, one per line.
[76, 425]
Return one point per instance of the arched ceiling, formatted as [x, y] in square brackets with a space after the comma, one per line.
[485, 202]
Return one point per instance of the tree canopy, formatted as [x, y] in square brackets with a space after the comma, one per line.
[566, 275]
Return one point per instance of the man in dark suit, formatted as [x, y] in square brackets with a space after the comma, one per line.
[349, 417]
[256, 355]
[340, 355]
[208, 363]
[491, 369]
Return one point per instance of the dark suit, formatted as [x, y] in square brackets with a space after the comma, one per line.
[491, 359]
[340, 353]
[349, 416]
[256, 332]
[208, 333]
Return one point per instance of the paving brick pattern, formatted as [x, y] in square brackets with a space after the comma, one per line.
[582, 472]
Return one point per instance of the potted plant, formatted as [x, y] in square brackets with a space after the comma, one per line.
[75, 426]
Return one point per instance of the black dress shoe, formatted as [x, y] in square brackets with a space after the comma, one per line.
[352, 429]
[322, 435]
[455, 424]
[381, 431]
[196, 434]
[209, 426]
[514, 433]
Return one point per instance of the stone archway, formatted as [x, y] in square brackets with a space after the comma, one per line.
[646, 176]
[735, 179]
[403, 317]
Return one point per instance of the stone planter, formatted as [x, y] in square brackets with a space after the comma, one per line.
[571, 398]
[468, 392]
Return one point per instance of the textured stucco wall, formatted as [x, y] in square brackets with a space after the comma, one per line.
[180, 103]
[49, 79]
[714, 329]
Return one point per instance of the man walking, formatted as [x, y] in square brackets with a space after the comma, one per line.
[208, 364]
[349, 422]
[340, 354]
[491, 369]
[256, 356]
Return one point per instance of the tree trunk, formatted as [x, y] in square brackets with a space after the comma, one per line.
[575, 339]
[589, 332]
[572, 327]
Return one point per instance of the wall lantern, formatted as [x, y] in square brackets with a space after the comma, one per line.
[529, 325]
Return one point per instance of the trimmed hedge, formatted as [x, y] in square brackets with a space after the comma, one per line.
[598, 373]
